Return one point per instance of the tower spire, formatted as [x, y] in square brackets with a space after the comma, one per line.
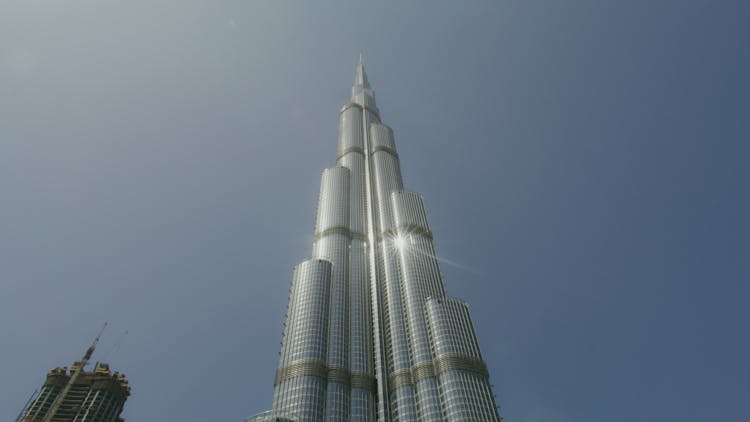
[360, 77]
[362, 92]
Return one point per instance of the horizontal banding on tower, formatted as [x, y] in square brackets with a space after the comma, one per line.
[361, 107]
[340, 230]
[303, 368]
[400, 379]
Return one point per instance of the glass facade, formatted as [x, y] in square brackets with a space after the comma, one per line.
[370, 334]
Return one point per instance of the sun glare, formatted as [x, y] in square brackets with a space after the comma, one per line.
[400, 242]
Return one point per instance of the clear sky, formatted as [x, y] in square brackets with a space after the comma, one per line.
[584, 165]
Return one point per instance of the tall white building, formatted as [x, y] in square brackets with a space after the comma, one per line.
[370, 334]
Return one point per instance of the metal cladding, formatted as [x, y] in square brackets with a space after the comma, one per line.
[420, 279]
[410, 213]
[458, 363]
[301, 379]
[333, 204]
[332, 239]
[370, 334]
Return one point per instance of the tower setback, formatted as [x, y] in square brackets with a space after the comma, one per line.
[370, 334]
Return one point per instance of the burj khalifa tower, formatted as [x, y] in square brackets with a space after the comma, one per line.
[370, 334]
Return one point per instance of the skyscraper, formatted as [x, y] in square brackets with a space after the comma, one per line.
[370, 334]
[95, 396]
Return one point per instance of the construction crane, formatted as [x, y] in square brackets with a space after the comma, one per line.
[73, 378]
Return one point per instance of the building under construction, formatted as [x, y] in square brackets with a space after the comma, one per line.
[92, 396]
[79, 395]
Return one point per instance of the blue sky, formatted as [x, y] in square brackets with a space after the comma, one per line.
[584, 164]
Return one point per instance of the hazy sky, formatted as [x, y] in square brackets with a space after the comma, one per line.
[584, 164]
